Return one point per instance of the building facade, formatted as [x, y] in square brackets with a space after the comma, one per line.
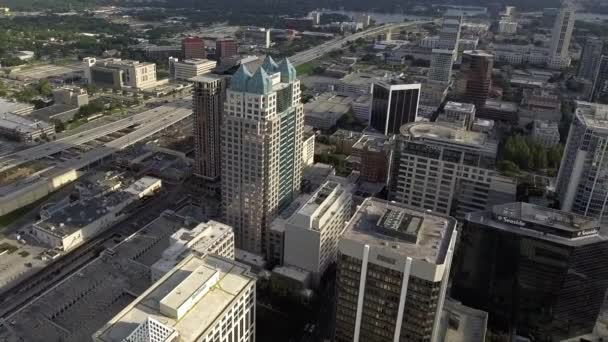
[546, 133]
[200, 300]
[535, 270]
[226, 48]
[193, 47]
[441, 65]
[262, 136]
[117, 74]
[590, 58]
[374, 153]
[582, 182]
[562, 30]
[313, 231]
[600, 82]
[447, 170]
[208, 97]
[476, 76]
[189, 68]
[393, 104]
[460, 114]
[393, 269]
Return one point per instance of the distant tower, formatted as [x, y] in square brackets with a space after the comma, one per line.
[261, 148]
[583, 175]
[441, 65]
[562, 30]
[208, 97]
[590, 58]
[476, 78]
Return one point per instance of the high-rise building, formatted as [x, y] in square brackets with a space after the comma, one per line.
[393, 105]
[600, 82]
[226, 48]
[262, 133]
[186, 69]
[450, 32]
[313, 231]
[582, 182]
[476, 76]
[562, 30]
[448, 170]
[208, 97]
[393, 268]
[201, 299]
[537, 271]
[590, 58]
[441, 65]
[193, 47]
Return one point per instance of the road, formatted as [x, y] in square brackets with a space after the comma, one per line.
[45, 150]
[335, 44]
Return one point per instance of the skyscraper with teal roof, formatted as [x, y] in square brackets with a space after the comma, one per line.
[261, 149]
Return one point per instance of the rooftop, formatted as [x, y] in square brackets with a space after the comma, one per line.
[373, 142]
[7, 106]
[184, 285]
[501, 105]
[593, 115]
[14, 122]
[78, 215]
[541, 223]
[320, 202]
[462, 323]
[328, 103]
[405, 230]
[479, 53]
[197, 61]
[443, 132]
[110, 282]
[460, 107]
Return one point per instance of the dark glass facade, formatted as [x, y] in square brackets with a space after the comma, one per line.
[530, 286]
[392, 108]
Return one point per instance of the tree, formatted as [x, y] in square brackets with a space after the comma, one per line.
[44, 88]
[59, 125]
[554, 156]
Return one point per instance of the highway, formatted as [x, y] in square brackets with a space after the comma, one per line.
[50, 148]
[335, 44]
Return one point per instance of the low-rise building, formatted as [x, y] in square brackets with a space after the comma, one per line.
[344, 140]
[189, 68]
[325, 111]
[460, 114]
[546, 133]
[374, 153]
[206, 238]
[361, 108]
[507, 26]
[500, 111]
[80, 221]
[71, 96]
[193, 302]
[539, 104]
[22, 128]
[117, 74]
[462, 323]
[17, 108]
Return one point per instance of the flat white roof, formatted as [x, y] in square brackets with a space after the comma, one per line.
[234, 278]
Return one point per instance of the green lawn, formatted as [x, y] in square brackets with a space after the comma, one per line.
[305, 69]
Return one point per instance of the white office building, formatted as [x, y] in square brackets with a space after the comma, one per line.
[206, 238]
[448, 170]
[442, 61]
[117, 74]
[200, 300]
[313, 231]
[583, 174]
[189, 68]
[507, 26]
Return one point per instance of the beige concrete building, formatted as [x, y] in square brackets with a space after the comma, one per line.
[262, 134]
[201, 300]
[189, 68]
[313, 231]
[117, 73]
[447, 170]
